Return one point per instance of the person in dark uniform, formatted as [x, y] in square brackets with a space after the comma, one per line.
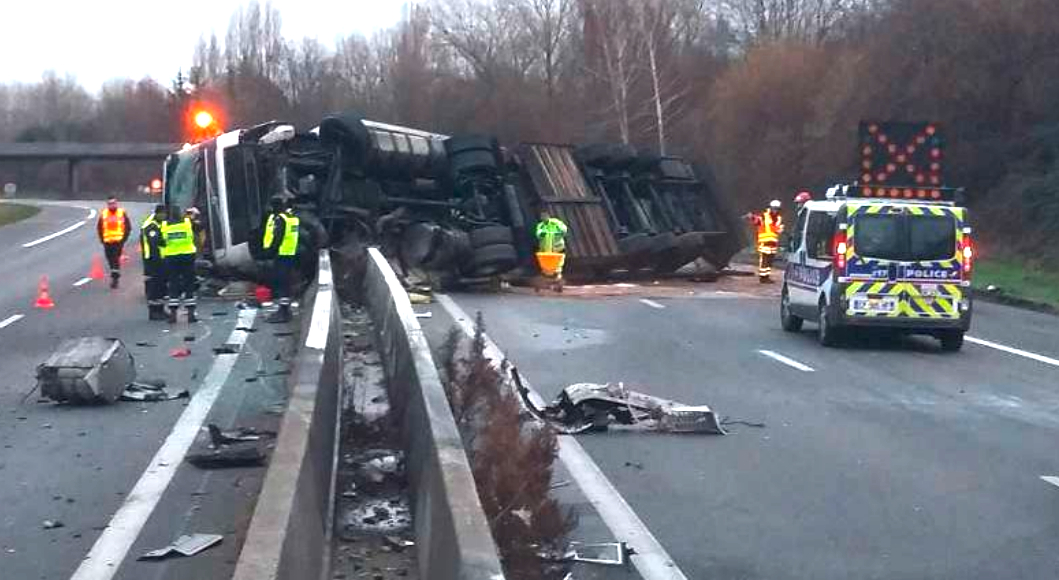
[280, 243]
[151, 244]
[179, 234]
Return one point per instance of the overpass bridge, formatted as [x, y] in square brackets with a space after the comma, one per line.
[74, 153]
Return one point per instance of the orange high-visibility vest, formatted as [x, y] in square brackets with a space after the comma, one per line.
[769, 228]
[113, 225]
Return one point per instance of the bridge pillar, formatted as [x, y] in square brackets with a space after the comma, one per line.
[72, 185]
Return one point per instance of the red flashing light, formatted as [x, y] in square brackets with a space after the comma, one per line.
[892, 148]
[920, 178]
[873, 128]
[935, 194]
[935, 153]
[865, 191]
[910, 168]
[921, 140]
[203, 119]
[921, 194]
[935, 180]
[890, 167]
[909, 194]
[967, 255]
[935, 166]
[839, 248]
[881, 177]
[902, 158]
[931, 130]
[156, 184]
[866, 178]
[895, 192]
[866, 165]
[881, 192]
[883, 139]
[911, 149]
[867, 151]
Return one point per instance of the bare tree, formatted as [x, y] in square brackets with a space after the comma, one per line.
[547, 23]
[612, 42]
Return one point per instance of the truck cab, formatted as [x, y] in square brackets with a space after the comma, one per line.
[899, 259]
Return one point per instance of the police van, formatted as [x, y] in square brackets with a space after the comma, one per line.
[894, 258]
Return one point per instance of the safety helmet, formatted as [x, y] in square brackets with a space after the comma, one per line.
[775, 204]
[803, 197]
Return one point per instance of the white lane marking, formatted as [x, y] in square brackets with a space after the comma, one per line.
[652, 303]
[91, 213]
[651, 561]
[82, 282]
[50, 237]
[1012, 350]
[787, 361]
[109, 551]
[1051, 479]
[11, 320]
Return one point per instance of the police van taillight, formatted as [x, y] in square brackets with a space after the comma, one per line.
[839, 246]
[966, 256]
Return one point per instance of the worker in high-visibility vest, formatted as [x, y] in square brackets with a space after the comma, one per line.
[178, 252]
[551, 248]
[280, 243]
[151, 245]
[769, 225]
[113, 228]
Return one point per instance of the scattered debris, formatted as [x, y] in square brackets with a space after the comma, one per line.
[189, 338]
[242, 456]
[182, 352]
[187, 545]
[377, 465]
[378, 516]
[148, 392]
[52, 524]
[634, 464]
[606, 553]
[283, 333]
[417, 298]
[560, 484]
[242, 435]
[146, 344]
[584, 407]
[226, 349]
[87, 370]
[397, 543]
[424, 315]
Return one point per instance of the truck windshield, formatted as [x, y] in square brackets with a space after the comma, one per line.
[182, 178]
[905, 237]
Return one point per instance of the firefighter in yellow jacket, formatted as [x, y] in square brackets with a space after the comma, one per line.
[769, 224]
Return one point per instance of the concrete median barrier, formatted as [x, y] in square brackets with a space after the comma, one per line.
[453, 537]
[290, 533]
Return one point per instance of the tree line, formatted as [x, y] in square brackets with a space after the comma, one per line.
[768, 93]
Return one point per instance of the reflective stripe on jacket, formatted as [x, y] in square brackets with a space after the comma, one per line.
[151, 239]
[288, 243]
[551, 234]
[179, 238]
[113, 225]
[769, 228]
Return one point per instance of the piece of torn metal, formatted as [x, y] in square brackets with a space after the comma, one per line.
[242, 456]
[219, 438]
[607, 553]
[187, 545]
[585, 407]
[146, 392]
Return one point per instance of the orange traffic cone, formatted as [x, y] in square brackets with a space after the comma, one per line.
[43, 296]
[97, 272]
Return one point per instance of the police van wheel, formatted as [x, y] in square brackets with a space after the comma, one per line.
[790, 322]
[826, 332]
[951, 341]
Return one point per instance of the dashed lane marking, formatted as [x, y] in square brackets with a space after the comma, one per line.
[11, 320]
[787, 361]
[82, 282]
[652, 303]
[107, 554]
[651, 561]
[1051, 479]
[1012, 350]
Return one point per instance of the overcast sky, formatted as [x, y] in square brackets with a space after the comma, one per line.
[97, 40]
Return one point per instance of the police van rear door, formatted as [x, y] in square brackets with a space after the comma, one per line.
[903, 261]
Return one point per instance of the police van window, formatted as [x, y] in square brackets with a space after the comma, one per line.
[905, 237]
[879, 236]
[795, 236]
[931, 237]
[818, 237]
[238, 203]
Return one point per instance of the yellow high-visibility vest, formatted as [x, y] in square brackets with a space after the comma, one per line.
[289, 245]
[113, 225]
[179, 238]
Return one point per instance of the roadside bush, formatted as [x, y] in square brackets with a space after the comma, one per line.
[512, 459]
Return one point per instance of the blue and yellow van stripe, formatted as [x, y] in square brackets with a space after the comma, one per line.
[911, 301]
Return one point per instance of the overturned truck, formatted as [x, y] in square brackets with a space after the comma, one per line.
[461, 206]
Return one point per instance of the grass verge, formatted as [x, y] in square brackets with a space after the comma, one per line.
[1018, 278]
[14, 212]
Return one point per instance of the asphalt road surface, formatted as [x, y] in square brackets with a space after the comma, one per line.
[114, 475]
[882, 459]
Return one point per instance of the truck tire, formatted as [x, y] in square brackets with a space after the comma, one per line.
[788, 320]
[951, 340]
[461, 143]
[493, 260]
[491, 236]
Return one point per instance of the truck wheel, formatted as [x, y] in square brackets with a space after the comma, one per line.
[491, 236]
[470, 161]
[790, 322]
[827, 333]
[461, 143]
[951, 340]
[493, 260]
